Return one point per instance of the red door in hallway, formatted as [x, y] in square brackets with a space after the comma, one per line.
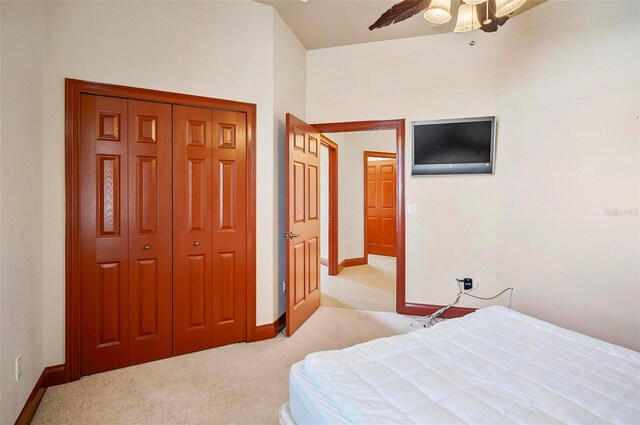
[303, 223]
[124, 240]
[381, 207]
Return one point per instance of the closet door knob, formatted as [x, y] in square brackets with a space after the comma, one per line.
[196, 243]
[147, 247]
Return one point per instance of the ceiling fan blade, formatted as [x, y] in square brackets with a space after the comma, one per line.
[399, 12]
[495, 22]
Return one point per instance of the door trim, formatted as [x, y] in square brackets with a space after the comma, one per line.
[73, 89]
[366, 156]
[351, 262]
[332, 261]
[399, 127]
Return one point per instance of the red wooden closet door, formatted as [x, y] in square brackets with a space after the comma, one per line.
[103, 232]
[229, 245]
[192, 206]
[210, 200]
[150, 231]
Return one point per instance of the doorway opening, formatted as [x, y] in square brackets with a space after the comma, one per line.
[303, 150]
[365, 277]
[329, 205]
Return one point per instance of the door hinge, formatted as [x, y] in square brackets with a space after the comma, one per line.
[284, 286]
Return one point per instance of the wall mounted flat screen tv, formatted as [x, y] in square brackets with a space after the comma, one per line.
[459, 146]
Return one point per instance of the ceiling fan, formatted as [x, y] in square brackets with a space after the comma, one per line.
[472, 14]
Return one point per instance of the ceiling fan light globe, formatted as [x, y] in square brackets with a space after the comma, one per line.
[438, 12]
[506, 7]
[467, 19]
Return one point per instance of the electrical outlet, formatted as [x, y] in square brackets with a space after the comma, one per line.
[18, 367]
[468, 283]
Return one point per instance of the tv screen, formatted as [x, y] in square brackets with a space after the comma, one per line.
[463, 146]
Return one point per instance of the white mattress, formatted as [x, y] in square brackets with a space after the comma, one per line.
[492, 366]
[307, 404]
[285, 415]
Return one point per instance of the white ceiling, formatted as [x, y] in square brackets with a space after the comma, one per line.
[328, 23]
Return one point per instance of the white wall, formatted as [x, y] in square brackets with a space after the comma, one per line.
[351, 185]
[432, 77]
[569, 101]
[21, 207]
[566, 98]
[215, 49]
[289, 92]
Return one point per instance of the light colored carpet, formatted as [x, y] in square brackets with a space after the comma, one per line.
[235, 384]
[368, 287]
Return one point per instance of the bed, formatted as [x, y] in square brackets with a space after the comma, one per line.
[492, 366]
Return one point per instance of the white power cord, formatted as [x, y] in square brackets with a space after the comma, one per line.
[431, 319]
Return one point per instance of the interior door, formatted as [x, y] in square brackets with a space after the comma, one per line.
[381, 207]
[192, 203]
[210, 228]
[303, 223]
[229, 224]
[125, 232]
[150, 231]
[104, 243]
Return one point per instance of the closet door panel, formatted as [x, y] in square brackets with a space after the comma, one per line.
[150, 231]
[229, 227]
[192, 206]
[103, 176]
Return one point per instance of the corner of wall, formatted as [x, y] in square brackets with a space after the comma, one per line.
[23, 44]
[289, 95]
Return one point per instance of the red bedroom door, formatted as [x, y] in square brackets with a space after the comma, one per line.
[303, 224]
[381, 207]
[125, 238]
